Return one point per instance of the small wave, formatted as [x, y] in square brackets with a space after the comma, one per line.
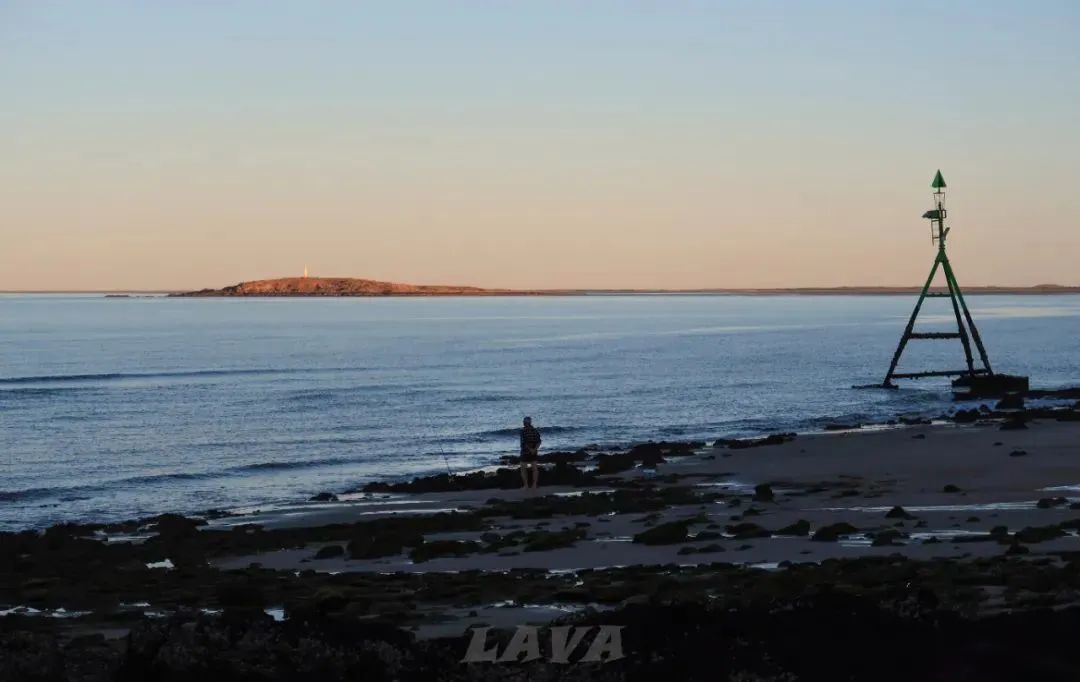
[310, 442]
[69, 492]
[503, 433]
[28, 494]
[23, 392]
[352, 394]
[287, 465]
[475, 399]
[84, 492]
[116, 376]
[159, 478]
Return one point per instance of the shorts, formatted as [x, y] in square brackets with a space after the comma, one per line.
[530, 454]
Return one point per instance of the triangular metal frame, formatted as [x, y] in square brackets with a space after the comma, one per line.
[965, 325]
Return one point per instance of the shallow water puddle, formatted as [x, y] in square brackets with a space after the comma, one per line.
[108, 539]
[579, 493]
[31, 611]
[989, 506]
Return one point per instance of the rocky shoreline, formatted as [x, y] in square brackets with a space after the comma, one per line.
[897, 554]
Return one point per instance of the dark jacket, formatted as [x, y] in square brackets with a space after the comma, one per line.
[530, 438]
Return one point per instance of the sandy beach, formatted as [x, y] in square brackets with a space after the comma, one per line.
[853, 477]
[975, 520]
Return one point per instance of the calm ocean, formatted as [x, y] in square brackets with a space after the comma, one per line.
[117, 408]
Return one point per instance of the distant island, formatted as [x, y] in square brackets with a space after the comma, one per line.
[349, 286]
[346, 286]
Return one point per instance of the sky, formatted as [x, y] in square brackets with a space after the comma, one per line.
[546, 144]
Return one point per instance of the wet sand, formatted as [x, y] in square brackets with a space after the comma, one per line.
[853, 477]
[949, 536]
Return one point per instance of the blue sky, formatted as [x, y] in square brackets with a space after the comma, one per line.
[177, 144]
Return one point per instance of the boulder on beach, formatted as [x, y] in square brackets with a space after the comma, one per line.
[833, 532]
[800, 528]
[747, 531]
[1050, 502]
[1035, 534]
[887, 538]
[763, 492]
[966, 416]
[737, 444]
[330, 552]
[664, 534]
[842, 427]
[174, 525]
[899, 513]
[1017, 422]
[372, 545]
[443, 548]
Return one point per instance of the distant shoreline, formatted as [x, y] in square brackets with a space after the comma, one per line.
[791, 291]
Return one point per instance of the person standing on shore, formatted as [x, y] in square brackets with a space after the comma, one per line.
[530, 453]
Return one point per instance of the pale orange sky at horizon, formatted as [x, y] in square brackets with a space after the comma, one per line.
[156, 147]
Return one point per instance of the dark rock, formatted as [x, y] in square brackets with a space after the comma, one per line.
[914, 421]
[372, 545]
[324, 497]
[330, 552]
[898, 513]
[1050, 502]
[763, 493]
[832, 532]
[886, 538]
[747, 531]
[443, 548]
[1015, 423]
[649, 454]
[842, 427]
[1035, 534]
[563, 473]
[800, 528]
[174, 526]
[1015, 549]
[664, 534]
[542, 541]
[704, 549]
[737, 444]
[1018, 453]
[607, 464]
[966, 416]
[240, 593]
[553, 457]
[950, 488]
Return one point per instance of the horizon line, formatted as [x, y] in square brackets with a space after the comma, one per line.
[854, 289]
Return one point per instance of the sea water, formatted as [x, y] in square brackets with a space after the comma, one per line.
[115, 408]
